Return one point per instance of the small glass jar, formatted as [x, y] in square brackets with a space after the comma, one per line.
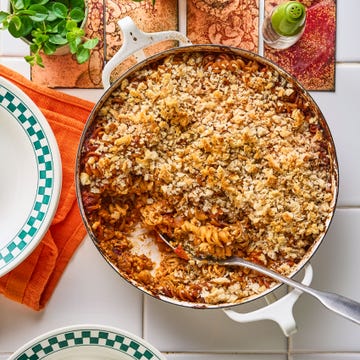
[285, 25]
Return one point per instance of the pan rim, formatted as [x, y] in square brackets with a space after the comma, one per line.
[248, 55]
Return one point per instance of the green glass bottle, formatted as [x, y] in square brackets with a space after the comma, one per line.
[285, 25]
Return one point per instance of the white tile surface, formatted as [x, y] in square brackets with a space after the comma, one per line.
[87, 94]
[173, 328]
[12, 47]
[90, 292]
[348, 26]
[341, 110]
[336, 269]
[16, 63]
[325, 356]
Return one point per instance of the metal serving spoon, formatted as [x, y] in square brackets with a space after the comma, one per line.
[341, 305]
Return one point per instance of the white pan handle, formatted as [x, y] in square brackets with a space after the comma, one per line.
[280, 311]
[134, 41]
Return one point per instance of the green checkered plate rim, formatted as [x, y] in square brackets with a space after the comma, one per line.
[16, 106]
[87, 342]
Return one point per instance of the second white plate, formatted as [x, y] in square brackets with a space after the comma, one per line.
[87, 342]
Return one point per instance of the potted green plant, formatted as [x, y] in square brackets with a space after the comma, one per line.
[47, 25]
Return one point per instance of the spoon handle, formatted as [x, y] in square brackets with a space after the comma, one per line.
[341, 305]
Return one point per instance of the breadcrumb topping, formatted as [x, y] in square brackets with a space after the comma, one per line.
[222, 154]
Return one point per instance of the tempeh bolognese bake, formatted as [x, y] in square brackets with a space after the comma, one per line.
[222, 154]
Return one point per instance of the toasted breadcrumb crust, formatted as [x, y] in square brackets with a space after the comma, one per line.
[222, 154]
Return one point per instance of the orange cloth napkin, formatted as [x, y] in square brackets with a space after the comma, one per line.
[34, 280]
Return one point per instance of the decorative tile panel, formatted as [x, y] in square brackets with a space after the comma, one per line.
[233, 23]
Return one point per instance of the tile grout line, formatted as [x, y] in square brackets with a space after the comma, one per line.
[182, 21]
[104, 32]
[143, 316]
[289, 345]
[261, 19]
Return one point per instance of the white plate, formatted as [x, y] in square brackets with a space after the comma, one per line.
[30, 176]
[87, 342]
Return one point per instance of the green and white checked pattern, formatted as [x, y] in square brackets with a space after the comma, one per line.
[44, 160]
[88, 337]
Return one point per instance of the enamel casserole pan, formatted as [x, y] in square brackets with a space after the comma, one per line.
[134, 43]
